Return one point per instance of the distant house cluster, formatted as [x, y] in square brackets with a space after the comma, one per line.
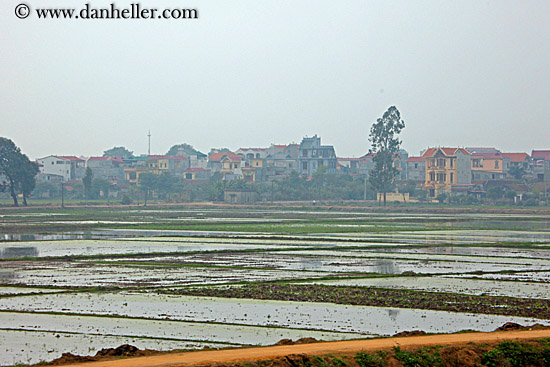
[451, 170]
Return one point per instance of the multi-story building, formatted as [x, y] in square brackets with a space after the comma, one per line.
[250, 153]
[173, 164]
[280, 160]
[215, 160]
[541, 165]
[446, 169]
[348, 165]
[68, 167]
[107, 168]
[489, 166]
[416, 169]
[313, 155]
[519, 160]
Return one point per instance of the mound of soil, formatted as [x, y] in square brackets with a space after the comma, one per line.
[299, 341]
[410, 333]
[125, 350]
[509, 326]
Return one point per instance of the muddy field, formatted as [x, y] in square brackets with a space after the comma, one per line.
[80, 280]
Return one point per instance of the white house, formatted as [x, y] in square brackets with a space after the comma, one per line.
[68, 167]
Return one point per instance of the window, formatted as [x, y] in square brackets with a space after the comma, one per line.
[416, 165]
[304, 153]
[451, 160]
[452, 177]
[432, 176]
[496, 164]
[441, 162]
[304, 166]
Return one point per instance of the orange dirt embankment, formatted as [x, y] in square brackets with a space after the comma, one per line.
[336, 348]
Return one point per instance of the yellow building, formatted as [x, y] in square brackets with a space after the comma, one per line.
[445, 168]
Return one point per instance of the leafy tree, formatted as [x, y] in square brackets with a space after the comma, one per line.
[510, 194]
[219, 150]
[516, 172]
[174, 149]
[27, 179]
[441, 197]
[17, 169]
[118, 152]
[100, 186]
[165, 183]
[147, 182]
[385, 144]
[495, 192]
[87, 181]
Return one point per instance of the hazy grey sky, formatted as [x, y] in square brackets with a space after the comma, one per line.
[255, 72]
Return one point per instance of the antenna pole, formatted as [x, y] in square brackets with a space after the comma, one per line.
[149, 149]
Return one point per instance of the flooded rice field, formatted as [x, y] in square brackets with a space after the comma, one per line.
[79, 280]
[478, 286]
[295, 315]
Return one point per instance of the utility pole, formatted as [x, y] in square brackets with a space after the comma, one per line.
[62, 198]
[365, 189]
[149, 149]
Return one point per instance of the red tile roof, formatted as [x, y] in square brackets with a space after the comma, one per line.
[541, 154]
[348, 159]
[69, 157]
[217, 157]
[114, 159]
[447, 151]
[488, 155]
[173, 157]
[516, 157]
[253, 149]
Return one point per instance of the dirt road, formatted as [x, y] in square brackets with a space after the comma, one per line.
[341, 347]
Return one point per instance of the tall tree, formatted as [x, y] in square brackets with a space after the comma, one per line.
[147, 182]
[17, 169]
[385, 144]
[219, 150]
[87, 181]
[118, 152]
[174, 149]
[27, 178]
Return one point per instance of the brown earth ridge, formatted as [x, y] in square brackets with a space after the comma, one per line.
[461, 349]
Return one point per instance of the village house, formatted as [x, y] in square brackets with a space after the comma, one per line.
[68, 167]
[519, 160]
[215, 160]
[107, 168]
[447, 170]
[541, 165]
[173, 164]
[416, 169]
[196, 174]
[313, 155]
[240, 196]
[348, 165]
[280, 161]
[489, 166]
[250, 153]
[195, 158]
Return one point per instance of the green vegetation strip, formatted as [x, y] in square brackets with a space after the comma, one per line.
[381, 297]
